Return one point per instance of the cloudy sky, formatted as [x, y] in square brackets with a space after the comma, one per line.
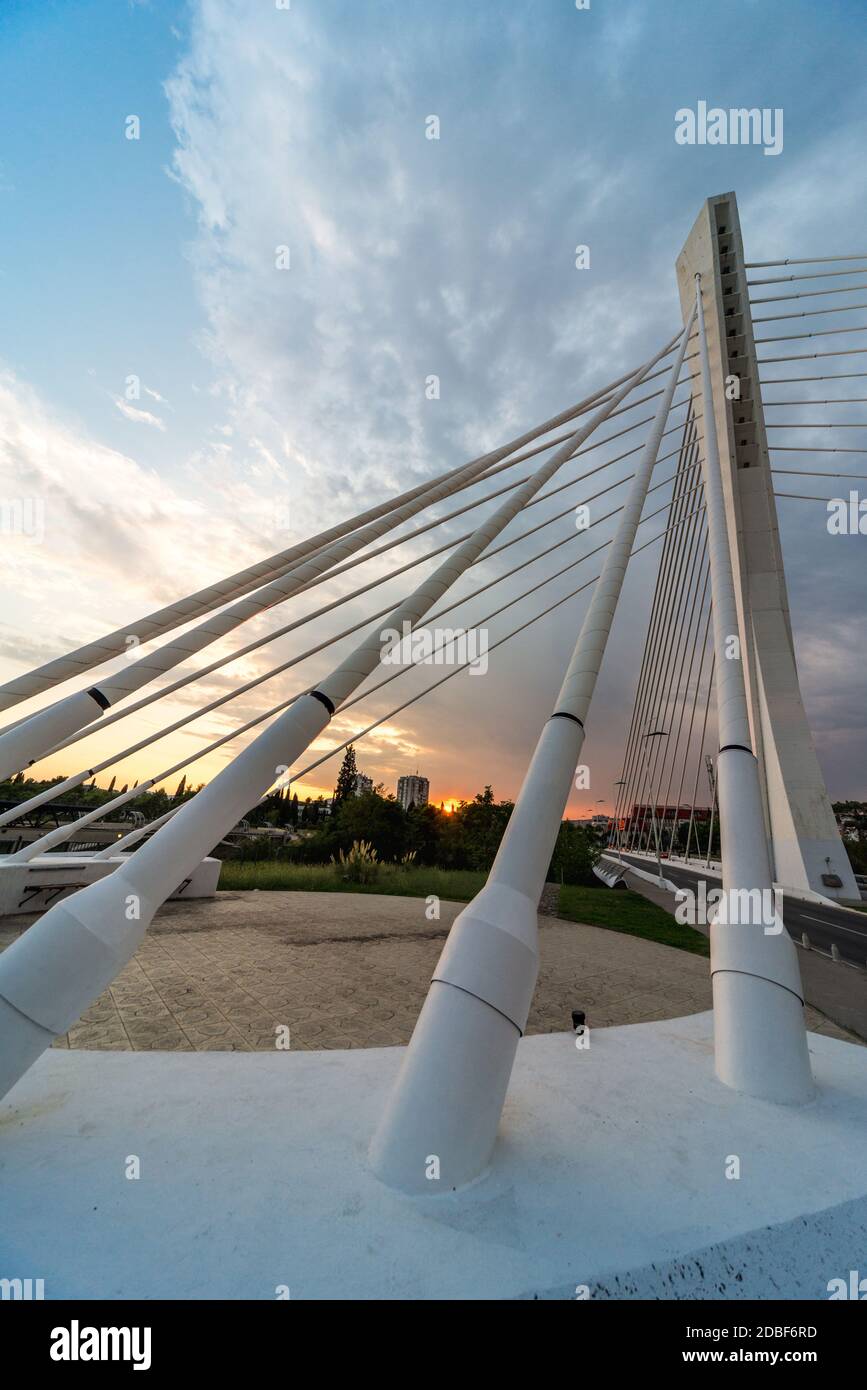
[273, 401]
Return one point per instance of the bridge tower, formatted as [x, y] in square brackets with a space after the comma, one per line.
[806, 849]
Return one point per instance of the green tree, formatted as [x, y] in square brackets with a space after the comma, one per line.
[698, 839]
[345, 779]
[426, 833]
[575, 853]
[376, 819]
[478, 827]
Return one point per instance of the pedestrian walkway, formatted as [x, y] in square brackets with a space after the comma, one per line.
[250, 971]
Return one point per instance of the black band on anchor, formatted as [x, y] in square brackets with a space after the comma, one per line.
[323, 700]
[725, 970]
[98, 696]
[742, 747]
[561, 714]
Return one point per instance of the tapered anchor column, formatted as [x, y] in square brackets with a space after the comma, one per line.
[443, 1114]
[448, 1099]
[760, 1037]
[66, 959]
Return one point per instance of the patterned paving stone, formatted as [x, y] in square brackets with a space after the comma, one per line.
[352, 970]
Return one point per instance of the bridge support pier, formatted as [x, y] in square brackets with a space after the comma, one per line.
[447, 1101]
[805, 847]
[760, 1038]
[449, 1095]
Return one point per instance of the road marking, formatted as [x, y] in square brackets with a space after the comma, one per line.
[820, 921]
[834, 926]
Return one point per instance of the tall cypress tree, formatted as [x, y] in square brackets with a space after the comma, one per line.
[345, 779]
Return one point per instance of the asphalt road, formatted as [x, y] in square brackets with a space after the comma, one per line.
[825, 926]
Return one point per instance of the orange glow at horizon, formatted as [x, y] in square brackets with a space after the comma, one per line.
[130, 770]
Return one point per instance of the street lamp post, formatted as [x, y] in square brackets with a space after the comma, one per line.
[712, 810]
[655, 733]
[618, 841]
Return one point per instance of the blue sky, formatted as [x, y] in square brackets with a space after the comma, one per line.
[94, 232]
[279, 401]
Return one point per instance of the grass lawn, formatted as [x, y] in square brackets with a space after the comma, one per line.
[616, 909]
[455, 885]
[622, 910]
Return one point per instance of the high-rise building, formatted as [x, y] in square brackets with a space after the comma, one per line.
[412, 791]
[363, 784]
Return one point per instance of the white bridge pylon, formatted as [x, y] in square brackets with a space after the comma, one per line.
[805, 847]
[450, 1092]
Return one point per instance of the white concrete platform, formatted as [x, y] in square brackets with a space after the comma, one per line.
[48, 878]
[610, 1172]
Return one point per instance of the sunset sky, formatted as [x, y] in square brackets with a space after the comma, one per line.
[275, 402]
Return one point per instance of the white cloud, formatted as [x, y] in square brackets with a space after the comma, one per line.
[454, 257]
[789, 215]
[116, 538]
[409, 258]
[139, 417]
[398, 271]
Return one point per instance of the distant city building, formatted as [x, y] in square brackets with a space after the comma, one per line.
[363, 784]
[413, 791]
[645, 813]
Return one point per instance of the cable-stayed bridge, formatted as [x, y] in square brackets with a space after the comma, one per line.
[718, 720]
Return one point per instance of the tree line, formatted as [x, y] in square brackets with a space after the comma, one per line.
[467, 837]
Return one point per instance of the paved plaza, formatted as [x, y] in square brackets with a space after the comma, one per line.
[349, 970]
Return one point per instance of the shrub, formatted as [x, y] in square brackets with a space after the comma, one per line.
[360, 865]
[257, 848]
